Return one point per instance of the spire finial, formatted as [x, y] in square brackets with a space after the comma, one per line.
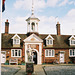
[32, 7]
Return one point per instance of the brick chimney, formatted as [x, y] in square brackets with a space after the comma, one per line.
[58, 28]
[6, 27]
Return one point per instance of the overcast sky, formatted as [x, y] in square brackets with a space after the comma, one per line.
[17, 11]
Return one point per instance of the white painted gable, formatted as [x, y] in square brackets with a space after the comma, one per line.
[72, 37]
[16, 36]
[49, 36]
[33, 38]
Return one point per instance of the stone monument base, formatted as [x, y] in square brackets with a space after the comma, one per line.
[29, 68]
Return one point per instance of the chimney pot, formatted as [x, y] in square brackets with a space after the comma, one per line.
[7, 20]
[58, 28]
[57, 22]
[6, 27]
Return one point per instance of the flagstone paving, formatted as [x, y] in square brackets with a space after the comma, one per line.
[60, 70]
[9, 70]
[39, 70]
[21, 70]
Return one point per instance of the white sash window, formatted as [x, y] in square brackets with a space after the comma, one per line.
[49, 53]
[72, 42]
[72, 52]
[16, 53]
[49, 42]
[16, 41]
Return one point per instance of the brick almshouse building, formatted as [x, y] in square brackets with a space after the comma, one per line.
[45, 48]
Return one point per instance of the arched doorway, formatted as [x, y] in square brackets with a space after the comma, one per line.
[35, 57]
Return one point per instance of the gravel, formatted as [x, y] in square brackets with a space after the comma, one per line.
[59, 70]
[9, 70]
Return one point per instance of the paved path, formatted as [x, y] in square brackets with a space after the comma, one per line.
[38, 70]
[7, 70]
[60, 70]
[22, 71]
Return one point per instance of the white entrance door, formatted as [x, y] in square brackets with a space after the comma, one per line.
[3, 57]
[61, 57]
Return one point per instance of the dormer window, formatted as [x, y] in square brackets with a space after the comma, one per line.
[72, 40]
[49, 40]
[16, 41]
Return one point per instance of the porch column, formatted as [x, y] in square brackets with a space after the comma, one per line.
[40, 53]
[26, 53]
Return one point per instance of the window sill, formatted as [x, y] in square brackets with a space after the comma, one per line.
[17, 44]
[49, 56]
[71, 56]
[49, 44]
[15, 56]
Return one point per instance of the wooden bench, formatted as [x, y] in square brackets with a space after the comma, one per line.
[13, 61]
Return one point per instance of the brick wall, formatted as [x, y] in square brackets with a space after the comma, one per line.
[57, 56]
[8, 55]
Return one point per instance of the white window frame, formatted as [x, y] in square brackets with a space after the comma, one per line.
[51, 53]
[16, 41]
[71, 42]
[17, 53]
[72, 53]
[49, 42]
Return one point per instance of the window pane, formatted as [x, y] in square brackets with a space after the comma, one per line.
[19, 53]
[17, 40]
[12, 52]
[72, 41]
[49, 52]
[14, 41]
[15, 52]
[46, 52]
[50, 41]
[70, 52]
[73, 52]
[52, 52]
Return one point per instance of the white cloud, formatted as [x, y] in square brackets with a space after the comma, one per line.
[71, 2]
[52, 3]
[47, 24]
[24, 4]
[63, 3]
[40, 4]
[71, 13]
[68, 22]
[19, 25]
[27, 4]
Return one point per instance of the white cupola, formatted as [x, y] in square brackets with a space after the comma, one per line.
[32, 22]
